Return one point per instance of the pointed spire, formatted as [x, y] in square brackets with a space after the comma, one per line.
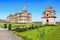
[24, 9]
[49, 6]
[10, 13]
[16, 11]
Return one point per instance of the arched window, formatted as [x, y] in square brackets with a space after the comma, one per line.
[47, 14]
[47, 21]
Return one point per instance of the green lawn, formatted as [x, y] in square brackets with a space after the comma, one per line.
[42, 33]
[50, 33]
[1, 24]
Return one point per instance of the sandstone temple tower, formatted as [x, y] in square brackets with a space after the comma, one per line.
[48, 16]
[23, 17]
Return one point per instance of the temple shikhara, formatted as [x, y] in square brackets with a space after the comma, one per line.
[23, 17]
[48, 16]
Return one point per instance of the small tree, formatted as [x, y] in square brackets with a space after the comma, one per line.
[9, 27]
[5, 25]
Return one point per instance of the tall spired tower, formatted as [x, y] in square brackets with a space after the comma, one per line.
[48, 16]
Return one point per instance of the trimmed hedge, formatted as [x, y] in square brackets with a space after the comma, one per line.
[21, 29]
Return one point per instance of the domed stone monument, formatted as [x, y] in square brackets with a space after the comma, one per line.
[48, 16]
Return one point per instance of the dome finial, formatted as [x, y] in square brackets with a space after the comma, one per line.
[24, 8]
[49, 6]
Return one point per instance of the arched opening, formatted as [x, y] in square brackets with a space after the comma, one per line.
[47, 21]
[47, 14]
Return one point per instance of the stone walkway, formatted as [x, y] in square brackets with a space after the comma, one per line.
[6, 35]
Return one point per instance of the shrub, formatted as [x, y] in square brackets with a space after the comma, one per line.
[5, 25]
[9, 27]
[36, 27]
[33, 27]
[17, 29]
[40, 25]
[30, 28]
[25, 29]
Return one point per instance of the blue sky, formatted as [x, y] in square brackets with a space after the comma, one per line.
[36, 7]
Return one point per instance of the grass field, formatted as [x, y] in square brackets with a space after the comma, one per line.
[1, 24]
[50, 33]
[42, 33]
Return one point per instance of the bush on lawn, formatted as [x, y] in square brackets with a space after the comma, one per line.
[9, 27]
[21, 29]
[25, 29]
[30, 28]
[36, 26]
[18, 29]
[5, 25]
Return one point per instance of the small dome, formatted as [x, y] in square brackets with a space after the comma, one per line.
[49, 8]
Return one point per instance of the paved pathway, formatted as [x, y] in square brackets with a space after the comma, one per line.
[6, 35]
